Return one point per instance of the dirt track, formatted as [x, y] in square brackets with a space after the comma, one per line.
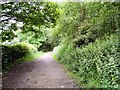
[44, 72]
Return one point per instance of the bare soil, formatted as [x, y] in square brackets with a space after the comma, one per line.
[44, 72]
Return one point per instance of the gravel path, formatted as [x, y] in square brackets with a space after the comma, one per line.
[44, 72]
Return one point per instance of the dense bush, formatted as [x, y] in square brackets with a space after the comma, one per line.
[24, 48]
[10, 54]
[95, 65]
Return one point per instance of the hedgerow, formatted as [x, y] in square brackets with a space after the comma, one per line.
[10, 54]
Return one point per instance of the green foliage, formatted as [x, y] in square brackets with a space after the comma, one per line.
[32, 19]
[35, 36]
[8, 35]
[84, 35]
[10, 54]
[88, 42]
[24, 48]
[95, 65]
[30, 57]
[30, 14]
[35, 13]
[50, 42]
[62, 49]
[83, 23]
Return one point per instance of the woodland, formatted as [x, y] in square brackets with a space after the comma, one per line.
[84, 37]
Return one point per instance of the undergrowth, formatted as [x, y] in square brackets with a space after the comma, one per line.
[93, 66]
[17, 53]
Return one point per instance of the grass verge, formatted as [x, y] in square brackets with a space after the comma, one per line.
[30, 57]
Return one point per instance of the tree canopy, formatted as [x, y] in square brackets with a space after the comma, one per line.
[29, 13]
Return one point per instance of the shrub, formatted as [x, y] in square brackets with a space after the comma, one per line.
[24, 48]
[10, 54]
[95, 65]
[61, 50]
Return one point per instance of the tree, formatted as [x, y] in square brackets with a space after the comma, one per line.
[30, 13]
[84, 22]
